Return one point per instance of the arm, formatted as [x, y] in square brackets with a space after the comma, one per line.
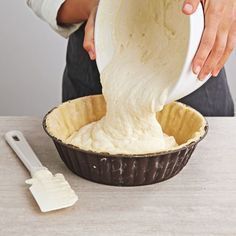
[64, 16]
[219, 36]
[75, 11]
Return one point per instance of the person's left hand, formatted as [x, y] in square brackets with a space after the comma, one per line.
[219, 36]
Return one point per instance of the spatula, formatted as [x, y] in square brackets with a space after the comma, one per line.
[51, 192]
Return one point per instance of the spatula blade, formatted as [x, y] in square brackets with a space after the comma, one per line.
[52, 192]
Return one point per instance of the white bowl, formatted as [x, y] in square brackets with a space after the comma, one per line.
[104, 44]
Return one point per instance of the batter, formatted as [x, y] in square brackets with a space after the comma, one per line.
[137, 80]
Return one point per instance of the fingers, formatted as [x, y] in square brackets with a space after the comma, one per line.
[216, 53]
[231, 44]
[212, 21]
[190, 6]
[89, 35]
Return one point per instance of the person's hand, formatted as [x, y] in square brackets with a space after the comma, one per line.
[219, 36]
[89, 34]
[77, 11]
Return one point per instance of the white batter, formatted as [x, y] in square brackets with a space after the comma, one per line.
[151, 48]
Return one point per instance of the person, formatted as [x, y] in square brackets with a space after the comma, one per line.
[75, 19]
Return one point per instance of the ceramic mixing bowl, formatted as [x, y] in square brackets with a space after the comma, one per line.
[105, 41]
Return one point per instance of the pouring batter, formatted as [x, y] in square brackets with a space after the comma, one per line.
[135, 83]
[81, 76]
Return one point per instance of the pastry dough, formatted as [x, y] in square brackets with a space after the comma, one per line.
[151, 44]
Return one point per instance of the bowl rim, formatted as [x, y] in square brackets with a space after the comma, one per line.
[108, 155]
[179, 88]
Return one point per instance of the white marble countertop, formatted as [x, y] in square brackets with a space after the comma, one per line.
[201, 200]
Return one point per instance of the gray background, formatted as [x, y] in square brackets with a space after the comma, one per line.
[32, 59]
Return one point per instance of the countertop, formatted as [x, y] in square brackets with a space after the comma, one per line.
[200, 200]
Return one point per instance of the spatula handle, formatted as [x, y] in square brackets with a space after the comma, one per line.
[21, 147]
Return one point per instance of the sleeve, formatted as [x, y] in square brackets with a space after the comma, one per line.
[47, 10]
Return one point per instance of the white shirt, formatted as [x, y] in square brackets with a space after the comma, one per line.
[47, 10]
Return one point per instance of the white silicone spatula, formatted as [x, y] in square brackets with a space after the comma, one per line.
[51, 192]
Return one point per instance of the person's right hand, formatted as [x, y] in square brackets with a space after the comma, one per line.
[77, 11]
[89, 45]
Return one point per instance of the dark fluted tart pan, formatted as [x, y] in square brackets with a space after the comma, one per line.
[187, 126]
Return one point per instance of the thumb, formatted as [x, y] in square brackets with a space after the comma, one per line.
[190, 6]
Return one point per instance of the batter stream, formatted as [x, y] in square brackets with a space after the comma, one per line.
[151, 45]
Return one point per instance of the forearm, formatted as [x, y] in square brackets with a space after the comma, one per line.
[75, 11]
